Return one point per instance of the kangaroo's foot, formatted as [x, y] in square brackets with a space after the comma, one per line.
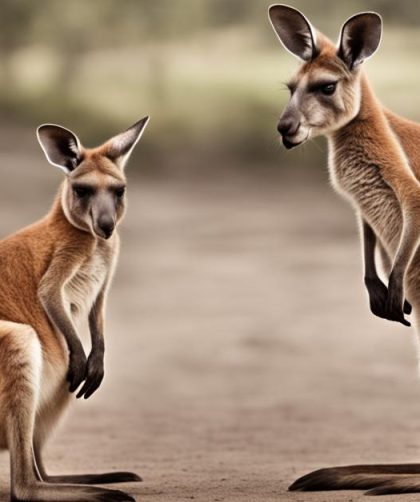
[84, 479]
[96, 479]
[377, 479]
[45, 492]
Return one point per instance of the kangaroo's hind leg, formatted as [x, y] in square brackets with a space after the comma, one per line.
[20, 383]
[46, 420]
[87, 479]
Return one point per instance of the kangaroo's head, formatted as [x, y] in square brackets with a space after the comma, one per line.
[325, 91]
[93, 194]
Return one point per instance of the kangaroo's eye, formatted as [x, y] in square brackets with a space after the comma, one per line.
[328, 89]
[82, 192]
[119, 192]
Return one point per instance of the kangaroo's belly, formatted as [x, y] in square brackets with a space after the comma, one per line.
[53, 378]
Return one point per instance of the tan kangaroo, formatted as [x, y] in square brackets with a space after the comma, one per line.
[374, 162]
[54, 276]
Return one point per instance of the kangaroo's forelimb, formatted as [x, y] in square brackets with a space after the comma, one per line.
[95, 363]
[406, 249]
[378, 292]
[51, 295]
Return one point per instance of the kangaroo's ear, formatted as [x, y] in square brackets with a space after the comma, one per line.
[360, 37]
[119, 148]
[61, 147]
[294, 31]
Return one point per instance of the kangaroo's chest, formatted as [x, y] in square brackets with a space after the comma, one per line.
[361, 181]
[84, 286]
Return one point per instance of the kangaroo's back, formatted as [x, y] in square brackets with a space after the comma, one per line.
[408, 133]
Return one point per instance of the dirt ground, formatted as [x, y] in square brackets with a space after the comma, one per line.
[240, 349]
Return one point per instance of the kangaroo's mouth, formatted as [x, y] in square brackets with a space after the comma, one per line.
[103, 231]
[103, 234]
[289, 144]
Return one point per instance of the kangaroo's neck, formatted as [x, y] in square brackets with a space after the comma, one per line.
[371, 108]
[370, 138]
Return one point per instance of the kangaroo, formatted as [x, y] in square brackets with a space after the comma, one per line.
[377, 173]
[54, 275]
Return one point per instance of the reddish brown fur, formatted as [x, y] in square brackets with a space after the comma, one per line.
[51, 272]
[375, 162]
[26, 256]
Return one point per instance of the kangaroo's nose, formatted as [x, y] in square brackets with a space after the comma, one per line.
[106, 225]
[287, 126]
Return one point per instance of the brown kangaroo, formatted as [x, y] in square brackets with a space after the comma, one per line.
[373, 162]
[55, 275]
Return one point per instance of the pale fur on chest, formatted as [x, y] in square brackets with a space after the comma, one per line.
[83, 288]
[360, 180]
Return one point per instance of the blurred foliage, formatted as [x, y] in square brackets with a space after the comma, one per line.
[208, 71]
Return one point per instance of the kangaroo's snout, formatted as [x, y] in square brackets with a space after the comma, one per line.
[105, 225]
[287, 126]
